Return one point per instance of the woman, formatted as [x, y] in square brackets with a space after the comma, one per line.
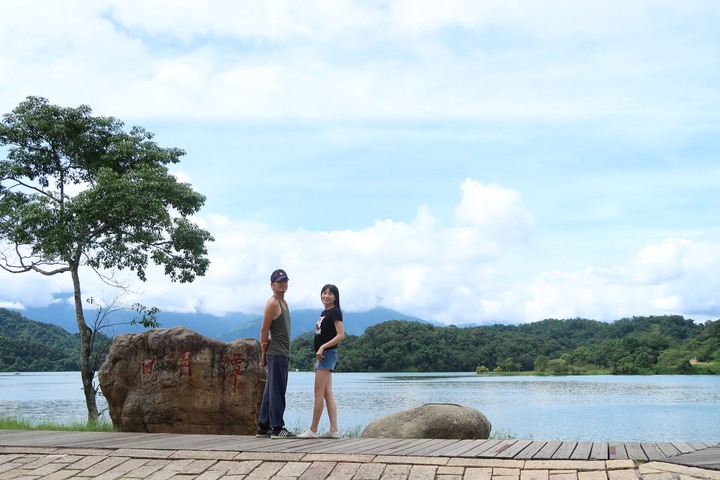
[329, 332]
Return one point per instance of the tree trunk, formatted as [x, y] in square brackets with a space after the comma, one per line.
[87, 372]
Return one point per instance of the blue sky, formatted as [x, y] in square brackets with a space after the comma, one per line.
[459, 161]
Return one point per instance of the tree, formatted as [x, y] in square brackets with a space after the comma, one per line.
[541, 363]
[78, 190]
[509, 365]
[100, 342]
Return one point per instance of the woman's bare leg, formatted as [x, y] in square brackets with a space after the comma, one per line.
[330, 403]
[322, 377]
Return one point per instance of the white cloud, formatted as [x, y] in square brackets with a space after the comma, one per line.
[445, 273]
[656, 264]
[495, 211]
[357, 60]
[675, 276]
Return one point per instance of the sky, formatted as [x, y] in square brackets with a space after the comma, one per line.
[460, 161]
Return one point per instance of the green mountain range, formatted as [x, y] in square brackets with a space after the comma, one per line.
[640, 345]
[226, 328]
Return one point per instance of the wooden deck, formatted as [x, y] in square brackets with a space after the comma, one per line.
[699, 454]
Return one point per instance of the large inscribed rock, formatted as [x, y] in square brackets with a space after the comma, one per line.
[432, 420]
[178, 381]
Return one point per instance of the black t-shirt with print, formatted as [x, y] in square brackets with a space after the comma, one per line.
[325, 327]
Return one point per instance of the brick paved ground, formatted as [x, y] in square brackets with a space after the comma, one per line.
[63, 463]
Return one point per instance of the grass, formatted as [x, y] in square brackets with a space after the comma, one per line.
[19, 423]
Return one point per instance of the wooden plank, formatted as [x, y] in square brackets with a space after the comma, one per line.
[179, 442]
[635, 451]
[233, 443]
[582, 451]
[701, 445]
[499, 448]
[397, 447]
[652, 451]
[378, 446]
[617, 451]
[461, 450]
[430, 449]
[455, 449]
[708, 458]
[599, 451]
[700, 456]
[427, 445]
[514, 449]
[344, 446]
[299, 445]
[668, 449]
[548, 450]
[138, 442]
[347, 446]
[480, 450]
[565, 451]
[530, 450]
[697, 454]
[683, 447]
[412, 444]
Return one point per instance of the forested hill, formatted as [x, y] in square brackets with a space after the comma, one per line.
[28, 346]
[658, 344]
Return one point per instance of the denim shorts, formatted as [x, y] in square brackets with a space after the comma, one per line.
[331, 358]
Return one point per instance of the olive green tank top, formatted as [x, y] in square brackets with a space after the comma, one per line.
[280, 333]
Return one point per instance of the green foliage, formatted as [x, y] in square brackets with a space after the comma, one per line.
[706, 369]
[685, 367]
[400, 346]
[28, 346]
[656, 344]
[19, 423]
[706, 346]
[79, 190]
[556, 366]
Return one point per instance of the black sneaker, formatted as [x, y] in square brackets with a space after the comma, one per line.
[263, 432]
[282, 433]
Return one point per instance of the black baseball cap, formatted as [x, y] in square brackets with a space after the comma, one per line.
[278, 276]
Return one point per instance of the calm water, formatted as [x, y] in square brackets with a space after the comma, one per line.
[599, 408]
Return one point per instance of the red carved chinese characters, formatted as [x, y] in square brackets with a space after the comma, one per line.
[237, 368]
[147, 367]
[185, 364]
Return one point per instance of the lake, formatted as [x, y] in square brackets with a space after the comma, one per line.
[581, 408]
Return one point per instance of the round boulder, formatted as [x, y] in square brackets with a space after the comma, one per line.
[432, 420]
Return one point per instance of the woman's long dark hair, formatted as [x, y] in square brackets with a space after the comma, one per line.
[335, 292]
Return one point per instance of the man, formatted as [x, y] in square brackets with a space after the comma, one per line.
[275, 342]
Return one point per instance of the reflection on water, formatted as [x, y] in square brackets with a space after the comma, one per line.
[590, 408]
[597, 408]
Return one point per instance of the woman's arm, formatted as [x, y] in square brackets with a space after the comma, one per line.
[339, 337]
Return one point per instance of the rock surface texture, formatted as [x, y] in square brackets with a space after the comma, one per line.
[432, 420]
[178, 381]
